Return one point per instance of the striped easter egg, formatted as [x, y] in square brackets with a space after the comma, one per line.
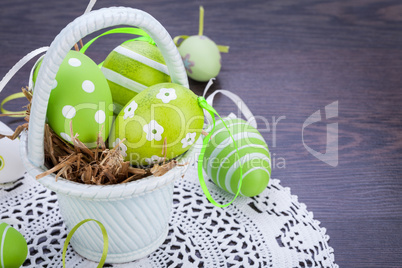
[132, 67]
[13, 247]
[221, 162]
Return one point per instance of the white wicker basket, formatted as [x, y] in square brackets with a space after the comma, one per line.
[135, 214]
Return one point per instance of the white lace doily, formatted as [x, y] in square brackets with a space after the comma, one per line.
[270, 230]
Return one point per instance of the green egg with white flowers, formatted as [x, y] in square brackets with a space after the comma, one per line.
[165, 111]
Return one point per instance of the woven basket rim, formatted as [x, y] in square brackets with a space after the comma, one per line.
[107, 192]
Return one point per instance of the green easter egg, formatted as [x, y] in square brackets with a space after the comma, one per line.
[201, 57]
[161, 111]
[132, 67]
[80, 95]
[221, 162]
[13, 247]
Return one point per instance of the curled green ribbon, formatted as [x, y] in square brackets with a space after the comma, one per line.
[125, 30]
[105, 241]
[11, 113]
[204, 104]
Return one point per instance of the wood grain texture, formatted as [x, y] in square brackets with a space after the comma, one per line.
[287, 58]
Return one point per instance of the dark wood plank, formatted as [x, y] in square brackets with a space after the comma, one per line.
[288, 58]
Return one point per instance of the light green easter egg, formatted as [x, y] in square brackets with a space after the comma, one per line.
[13, 247]
[132, 67]
[221, 162]
[80, 95]
[201, 57]
[163, 111]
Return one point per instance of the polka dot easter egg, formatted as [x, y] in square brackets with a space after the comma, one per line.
[131, 68]
[80, 95]
[13, 247]
[201, 57]
[163, 111]
[223, 166]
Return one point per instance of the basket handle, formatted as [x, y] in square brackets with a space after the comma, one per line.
[71, 34]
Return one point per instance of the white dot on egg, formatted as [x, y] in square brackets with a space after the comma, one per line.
[74, 62]
[100, 117]
[68, 111]
[88, 86]
[65, 136]
[54, 84]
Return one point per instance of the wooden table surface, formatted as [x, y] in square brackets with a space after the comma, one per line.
[287, 60]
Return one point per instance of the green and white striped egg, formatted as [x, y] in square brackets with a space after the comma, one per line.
[132, 67]
[13, 247]
[221, 162]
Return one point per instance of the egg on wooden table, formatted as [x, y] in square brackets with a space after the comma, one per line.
[132, 67]
[201, 57]
[80, 95]
[221, 161]
[13, 247]
[161, 111]
[11, 167]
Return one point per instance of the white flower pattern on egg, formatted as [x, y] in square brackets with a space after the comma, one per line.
[153, 130]
[166, 95]
[130, 109]
[122, 147]
[189, 139]
[154, 159]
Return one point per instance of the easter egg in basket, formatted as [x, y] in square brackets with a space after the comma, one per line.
[13, 247]
[80, 95]
[222, 164]
[132, 67]
[201, 57]
[163, 111]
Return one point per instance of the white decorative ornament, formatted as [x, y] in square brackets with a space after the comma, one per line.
[166, 95]
[154, 159]
[153, 130]
[130, 109]
[11, 167]
[122, 147]
[189, 139]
